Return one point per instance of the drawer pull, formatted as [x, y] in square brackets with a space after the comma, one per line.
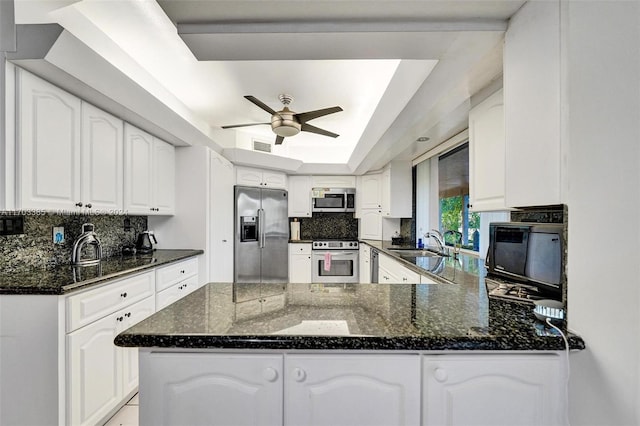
[120, 319]
[128, 315]
[123, 294]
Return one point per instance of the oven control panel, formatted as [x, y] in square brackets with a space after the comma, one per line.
[335, 245]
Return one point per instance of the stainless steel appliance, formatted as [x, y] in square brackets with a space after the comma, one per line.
[335, 261]
[261, 235]
[143, 244]
[374, 266]
[527, 252]
[327, 200]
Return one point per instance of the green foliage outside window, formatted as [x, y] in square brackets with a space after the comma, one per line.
[451, 211]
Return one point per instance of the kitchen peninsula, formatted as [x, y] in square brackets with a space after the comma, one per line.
[351, 354]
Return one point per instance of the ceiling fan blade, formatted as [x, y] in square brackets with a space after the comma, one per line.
[279, 140]
[242, 125]
[261, 104]
[310, 115]
[313, 129]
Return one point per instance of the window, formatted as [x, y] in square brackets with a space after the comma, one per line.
[457, 224]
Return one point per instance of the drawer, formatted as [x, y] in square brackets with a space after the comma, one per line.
[87, 307]
[176, 272]
[300, 248]
[178, 291]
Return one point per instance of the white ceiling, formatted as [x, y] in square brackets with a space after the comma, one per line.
[399, 69]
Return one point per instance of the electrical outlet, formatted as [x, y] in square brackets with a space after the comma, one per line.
[11, 225]
[58, 235]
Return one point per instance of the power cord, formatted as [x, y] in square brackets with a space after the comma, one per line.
[568, 368]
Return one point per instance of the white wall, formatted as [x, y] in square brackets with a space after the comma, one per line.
[601, 90]
[423, 178]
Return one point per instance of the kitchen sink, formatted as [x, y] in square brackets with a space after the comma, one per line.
[416, 253]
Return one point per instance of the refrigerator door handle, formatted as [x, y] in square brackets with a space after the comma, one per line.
[261, 231]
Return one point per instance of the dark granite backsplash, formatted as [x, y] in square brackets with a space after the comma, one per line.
[541, 214]
[35, 248]
[329, 226]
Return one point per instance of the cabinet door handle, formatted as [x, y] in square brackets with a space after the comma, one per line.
[299, 375]
[120, 319]
[270, 374]
[440, 374]
[123, 294]
[89, 206]
[128, 315]
[79, 204]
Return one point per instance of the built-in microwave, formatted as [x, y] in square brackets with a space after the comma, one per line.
[527, 252]
[333, 200]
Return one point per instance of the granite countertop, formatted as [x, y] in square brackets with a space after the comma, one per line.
[347, 316]
[66, 278]
[466, 269]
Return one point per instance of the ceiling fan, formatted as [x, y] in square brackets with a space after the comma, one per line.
[287, 123]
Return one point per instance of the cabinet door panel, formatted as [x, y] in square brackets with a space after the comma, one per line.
[487, 155]
[95, 375]
[370, 191]
[102, 159]
[138, 171]
[164, 172]
[299, 196]
[136, 313]
[352, 390]
[492, 390]
[371, 224]
[49, 145]
[205, 389]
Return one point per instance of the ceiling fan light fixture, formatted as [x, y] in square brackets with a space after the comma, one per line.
[285, 124]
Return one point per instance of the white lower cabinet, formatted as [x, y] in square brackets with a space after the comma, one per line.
[300, 263]
[95, 372]
[292, 389]
[234, 389]
[493, 390]
[176, 292]
[210, 389]
[100, 374]
[352, 390]
[391, 271]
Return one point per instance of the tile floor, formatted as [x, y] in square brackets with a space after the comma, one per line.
[127, 415]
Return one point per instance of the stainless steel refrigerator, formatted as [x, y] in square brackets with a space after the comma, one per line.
[261, 235]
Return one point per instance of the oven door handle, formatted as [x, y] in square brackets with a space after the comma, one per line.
[336, 253]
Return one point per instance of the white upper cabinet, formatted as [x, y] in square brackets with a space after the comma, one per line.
[149, 177]
[138, 170]
[164, 177]
[248, 176]
[369, 194]
[370, 224]
[48, 146]
[532, 106]
[397, 190]
[333, 182]
[299, 196]
[102, 160]
[486, 154]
